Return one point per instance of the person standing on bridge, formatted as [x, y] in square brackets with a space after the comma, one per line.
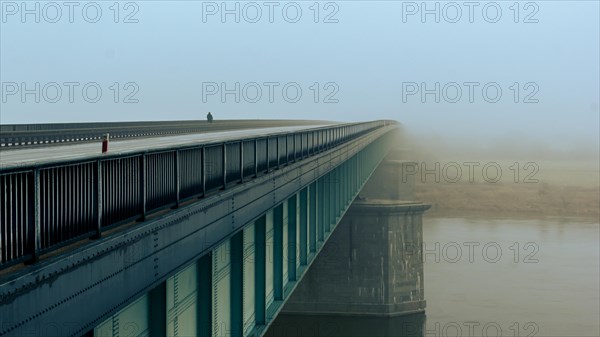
[105, 139]
[209, 117]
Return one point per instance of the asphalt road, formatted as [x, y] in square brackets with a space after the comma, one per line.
[56, 153]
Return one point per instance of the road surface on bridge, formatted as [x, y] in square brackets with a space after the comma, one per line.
[44, 155]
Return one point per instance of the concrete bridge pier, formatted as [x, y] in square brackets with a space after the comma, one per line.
[373, 263]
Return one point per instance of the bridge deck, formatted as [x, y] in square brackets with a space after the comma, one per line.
[199, 200]
[42, 155]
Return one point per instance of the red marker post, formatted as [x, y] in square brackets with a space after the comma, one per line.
[105, 143]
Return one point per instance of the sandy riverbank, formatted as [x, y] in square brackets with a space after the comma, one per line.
[512, 200]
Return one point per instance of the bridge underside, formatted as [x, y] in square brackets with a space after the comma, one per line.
[221, 266]
[240, 286]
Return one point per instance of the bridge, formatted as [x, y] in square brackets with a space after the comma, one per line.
[190, 229]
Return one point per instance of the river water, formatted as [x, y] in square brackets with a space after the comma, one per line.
[487, 277]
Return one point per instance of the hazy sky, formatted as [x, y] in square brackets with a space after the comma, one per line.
[370, 60]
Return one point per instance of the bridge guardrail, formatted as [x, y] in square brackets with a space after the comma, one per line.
[19, 136]
[46, 206]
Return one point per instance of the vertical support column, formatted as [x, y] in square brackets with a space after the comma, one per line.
[237, 279]
[323, 206]
[221, 290]
[337, 188]
[249, 279]
[328, 205]
[278, 252]
[313, 211]
[292, 238]
[157, 302]
[335, 192]
[349, 190]
[332, 197]
[351, 178]
[303, 239]
[348, 181]
[259, 271]
[359, 168]
[357, 173]
[345, 184]
[205, 296]
[341, 190]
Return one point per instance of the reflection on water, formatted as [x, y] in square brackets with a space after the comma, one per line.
[338, 326]
[490, 278]
[523, 277]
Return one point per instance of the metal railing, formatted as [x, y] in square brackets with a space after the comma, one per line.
[46, 206]
[19, 136]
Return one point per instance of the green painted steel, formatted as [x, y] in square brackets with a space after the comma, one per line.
[158, 308]
[269, 258]
[277, 256]
[260, 309]
[133, 321]
[321, 211]
[237, 283]
[285, 241]
[293, 232]
[313, 216]
[181, 302]
[249, 284]
[239, 287]
[303, 216]
[205, 286]
[221, 324]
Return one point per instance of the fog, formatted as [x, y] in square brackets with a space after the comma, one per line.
[512, 146]
[491, 82]
[523, 84]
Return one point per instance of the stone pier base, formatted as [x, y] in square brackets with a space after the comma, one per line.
[370, 266]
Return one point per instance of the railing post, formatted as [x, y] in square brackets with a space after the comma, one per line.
[321, 139]
[224, 165]
[203, 168]
[143, 183]
[287, 150]
[301, 145]
[36, 217]
[241, 161]
[268, 154]
[277, 150]
[255, 157]
[99, 204]
[177, 179]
